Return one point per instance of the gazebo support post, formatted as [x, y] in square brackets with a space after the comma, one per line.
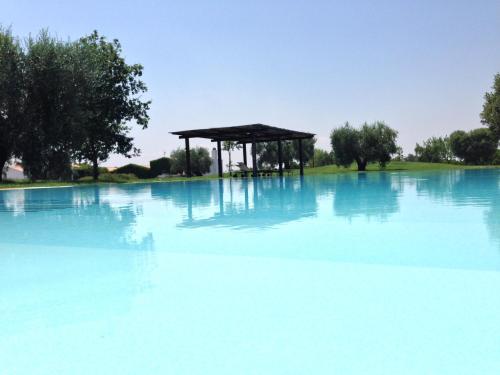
[301, 157]
[219, 158]
[245, 154]
[280, 158]
[254, 158]
[188, 158]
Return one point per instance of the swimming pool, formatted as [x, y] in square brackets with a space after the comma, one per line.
[370, 273]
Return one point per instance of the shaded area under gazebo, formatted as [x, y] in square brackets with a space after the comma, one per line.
[246, 134]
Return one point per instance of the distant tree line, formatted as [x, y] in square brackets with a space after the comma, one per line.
[377, 142]
[63, 102]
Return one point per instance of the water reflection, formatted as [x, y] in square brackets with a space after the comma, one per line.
[367, 194]
[462, 188]
[252, 203]
[95, 217]
[58, 251]
[136, 216]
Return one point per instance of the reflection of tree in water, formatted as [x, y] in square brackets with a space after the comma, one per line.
[68, 246]
[198, 193]
[467, 188]
[437, 184]
[480, 188]
[367, 194]
[82, 217]
[251, 203]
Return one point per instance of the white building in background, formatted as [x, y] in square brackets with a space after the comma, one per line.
[13, 171]
[214, 167]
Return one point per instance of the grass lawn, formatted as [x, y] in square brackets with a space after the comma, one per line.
[393, 166]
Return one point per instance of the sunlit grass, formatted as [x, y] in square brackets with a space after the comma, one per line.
[328, 169]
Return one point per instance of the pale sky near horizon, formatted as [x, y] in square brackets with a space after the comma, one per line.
[420, 66]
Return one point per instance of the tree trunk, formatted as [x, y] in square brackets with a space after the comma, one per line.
[361, 164]
[95, 170]
[3, 160]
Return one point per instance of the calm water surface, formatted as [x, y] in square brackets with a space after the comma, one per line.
[376, 273]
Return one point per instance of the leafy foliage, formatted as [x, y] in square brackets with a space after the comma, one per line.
[267, 153]
[111, 178]
[11, 95]
[322, 157]
[135, 169]
[109, 98]
[434, 150]
[371, 143]
[491, 108]
[200, 161]
[50, 104]
[85, 170]
[159, 166]
[478, 146]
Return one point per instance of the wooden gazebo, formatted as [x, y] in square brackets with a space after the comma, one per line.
[245, 134]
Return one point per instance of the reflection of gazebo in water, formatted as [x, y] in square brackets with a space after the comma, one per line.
[244, 134]
[264, 203]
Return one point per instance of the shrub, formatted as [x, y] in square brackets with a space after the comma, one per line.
[111, 177]
[85, 170]
[159, 166]
[138, 170]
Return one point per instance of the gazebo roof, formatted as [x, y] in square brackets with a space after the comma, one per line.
[244, 133]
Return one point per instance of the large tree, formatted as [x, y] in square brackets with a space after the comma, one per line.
[109, 97]
[491, 108]
[475, 147]
[11, 95]
[50, 105]
[372, 143]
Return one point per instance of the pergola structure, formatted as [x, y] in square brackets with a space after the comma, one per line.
[246, 134]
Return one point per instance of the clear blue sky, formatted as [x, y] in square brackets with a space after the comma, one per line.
[421, 66]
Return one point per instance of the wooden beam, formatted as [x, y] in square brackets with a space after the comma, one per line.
[219, 158]
[280, 157]
[188, 158]
[301, 158]
[254, 158]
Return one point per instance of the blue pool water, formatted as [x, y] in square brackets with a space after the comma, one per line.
[376, 273]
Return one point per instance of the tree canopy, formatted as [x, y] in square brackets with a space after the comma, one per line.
[11, 95]
[322, 157]
[200, 161]
[434, 150]
[267, 152]
[491, 108]
[67, 101]
[371, 143]
[109, 98]
[478, 146]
